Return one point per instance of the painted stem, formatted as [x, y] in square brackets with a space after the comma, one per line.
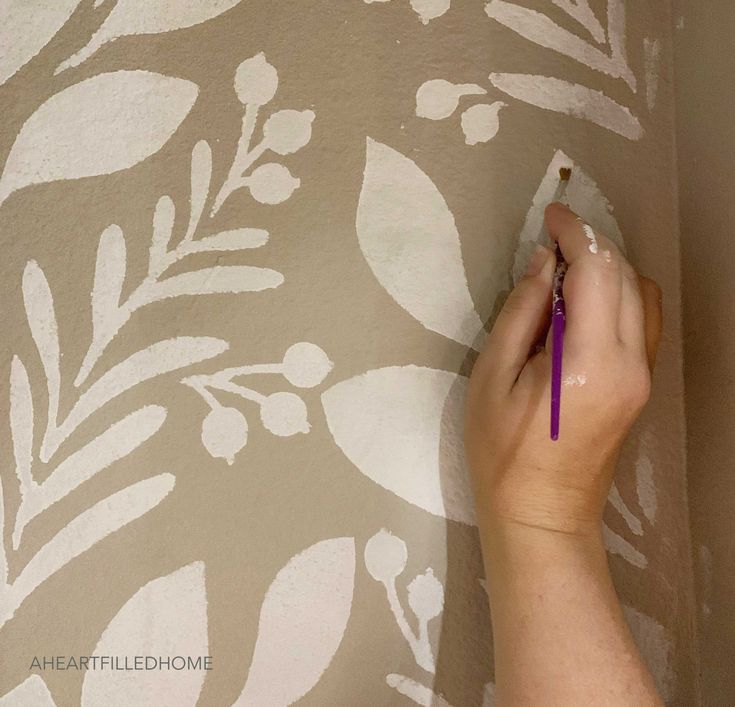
[420, 646]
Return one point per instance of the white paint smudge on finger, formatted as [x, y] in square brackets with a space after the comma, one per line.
[592, 237]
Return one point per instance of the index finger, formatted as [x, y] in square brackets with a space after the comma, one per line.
[593, 282]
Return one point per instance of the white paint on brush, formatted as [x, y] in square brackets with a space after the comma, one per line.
[592, 237]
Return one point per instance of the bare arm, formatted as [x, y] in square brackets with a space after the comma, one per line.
[559, 632]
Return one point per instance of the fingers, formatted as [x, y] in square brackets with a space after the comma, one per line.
[521, 322]
[594, 280]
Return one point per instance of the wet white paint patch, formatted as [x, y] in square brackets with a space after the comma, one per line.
[576, 379]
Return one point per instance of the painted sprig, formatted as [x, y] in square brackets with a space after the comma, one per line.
[225, 428]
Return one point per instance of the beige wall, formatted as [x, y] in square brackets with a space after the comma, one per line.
[329, 556]
[705, 66]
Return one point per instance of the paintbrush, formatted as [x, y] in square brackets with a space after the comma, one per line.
[558, 316]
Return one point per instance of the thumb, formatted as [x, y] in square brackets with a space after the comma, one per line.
[521, 321]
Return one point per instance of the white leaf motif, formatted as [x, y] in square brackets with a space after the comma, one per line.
[32, 692]
[166, 617]
[402, 426]
[302, 621]
[420, 694]
[408, 237]
[583, 13]
[155, 360]
[163, 224]
[201, 176]
[583, 196]
[236, 239]
[148, 17]
[570, 99]
[21, 423]
[39, 306]
[116, 442]
[26, 28]
[539, 29]
[87, 529]
[217, 280]
[100, 125]
[109, 275]
[618, 545]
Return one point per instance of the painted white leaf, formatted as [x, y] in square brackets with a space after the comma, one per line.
[155, 360]
[27, 26]
[570, 99]
[88, 528]
[583, 13]
[539, 29]
[420, 694]
[163, 225]
[655, 647]
[39, 306]
[21, 422]
[645, 485]
[148, 17]
[618, 545]
[109, 275]
[236, 239]
[583, 196]
[652, 60]
[116, 442]
[166, 617]
[32, 692]
[408, 237]
[428, 10]
[621, 507]
[302, 621]
[201, 177]
[402, 427]
[100, 125]
[218, 280]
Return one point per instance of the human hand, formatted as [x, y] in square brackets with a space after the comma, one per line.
[519, 474]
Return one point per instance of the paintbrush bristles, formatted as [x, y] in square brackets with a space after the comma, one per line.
[565, 174]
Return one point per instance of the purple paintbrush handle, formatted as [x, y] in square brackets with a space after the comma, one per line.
[558, 323]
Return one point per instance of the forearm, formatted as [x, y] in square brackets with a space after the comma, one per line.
[559, 632]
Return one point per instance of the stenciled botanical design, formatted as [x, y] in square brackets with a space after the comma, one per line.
[29, 27]
[604, 52]
[303, 618]
[225, 429]
[411, 443]
[427, 10]
[305, 365]
[385, 557]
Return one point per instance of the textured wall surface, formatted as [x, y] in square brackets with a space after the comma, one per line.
[249, 252]
[706, 140]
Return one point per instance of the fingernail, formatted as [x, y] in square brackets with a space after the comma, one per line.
[537, 261]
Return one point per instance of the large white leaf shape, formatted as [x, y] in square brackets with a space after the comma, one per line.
[408, 237]
[149, 17]
[103, 124]
[572, 99]
[583, 196]
[402, 427]
[655, 647]
[87, 529]
[166, 617]
[302, 621]
[26, 28]
[32, 692]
